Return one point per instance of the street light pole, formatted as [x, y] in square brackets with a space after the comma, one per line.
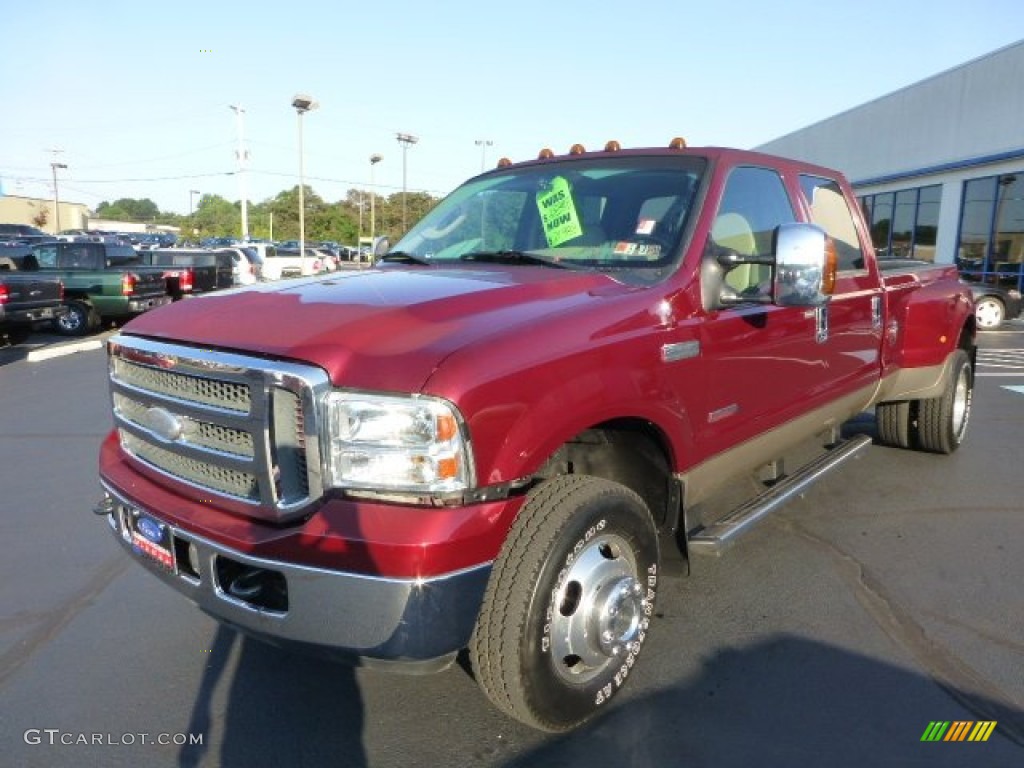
[243, 157]
[56, 197]
[406, 140]
[483, 144]
[374, 159]
[302, 104]
[191, 209]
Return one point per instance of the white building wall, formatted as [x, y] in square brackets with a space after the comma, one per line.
[963, 115]
[965, 123]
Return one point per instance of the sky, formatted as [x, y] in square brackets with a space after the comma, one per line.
[134, 98]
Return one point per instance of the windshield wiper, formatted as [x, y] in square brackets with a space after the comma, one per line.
[511, 257]
[407, 258]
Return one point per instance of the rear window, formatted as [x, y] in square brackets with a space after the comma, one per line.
[122, 255]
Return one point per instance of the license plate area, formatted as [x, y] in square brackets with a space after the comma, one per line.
[148, 537]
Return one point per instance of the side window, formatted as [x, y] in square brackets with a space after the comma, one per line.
[77, 256]
[830, 211]
[753, 204]
[46, 256]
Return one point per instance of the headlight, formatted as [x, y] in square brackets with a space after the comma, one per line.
[393, 443]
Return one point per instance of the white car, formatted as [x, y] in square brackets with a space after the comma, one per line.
[285, 263]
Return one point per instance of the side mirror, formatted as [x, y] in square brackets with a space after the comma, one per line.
[381, 245]
[805, 266]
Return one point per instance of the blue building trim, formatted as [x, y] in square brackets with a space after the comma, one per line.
[955, 165]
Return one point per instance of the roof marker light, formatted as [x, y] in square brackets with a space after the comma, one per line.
[545, 154]
[677, 143]
[577, 149]
[612, 146]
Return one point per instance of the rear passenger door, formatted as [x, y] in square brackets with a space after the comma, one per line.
[854, 313]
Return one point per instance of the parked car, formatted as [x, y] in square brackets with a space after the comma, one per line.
[20, 230]
[994, 305]
[288, 263]
[187, 272]
[27, 300]
[102, 281]
[246, 265]
[263, 249]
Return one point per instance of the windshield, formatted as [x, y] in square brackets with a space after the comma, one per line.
[611, 212]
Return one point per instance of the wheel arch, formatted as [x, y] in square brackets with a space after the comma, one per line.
[638, 455]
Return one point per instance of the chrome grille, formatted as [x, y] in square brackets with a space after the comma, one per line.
[203, 434]
[229, 425]
[195, 389]
[240, 485]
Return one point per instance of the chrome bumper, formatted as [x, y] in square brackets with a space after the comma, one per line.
[416, 623]
[141, 305]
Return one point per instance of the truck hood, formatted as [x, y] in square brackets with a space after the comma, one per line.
[384, 328]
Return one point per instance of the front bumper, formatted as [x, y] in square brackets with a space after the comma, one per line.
[419, 623]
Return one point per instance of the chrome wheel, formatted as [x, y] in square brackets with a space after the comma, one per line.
[600, 610]
[989, 313]
[961, 404]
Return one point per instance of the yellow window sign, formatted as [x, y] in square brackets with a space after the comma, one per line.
[558, 213]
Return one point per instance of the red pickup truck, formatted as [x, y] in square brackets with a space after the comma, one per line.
[510, 432]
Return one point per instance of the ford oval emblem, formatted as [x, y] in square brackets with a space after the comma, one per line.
[150, 529]
[164, 423]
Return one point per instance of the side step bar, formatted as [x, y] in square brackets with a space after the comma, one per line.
[714, 539]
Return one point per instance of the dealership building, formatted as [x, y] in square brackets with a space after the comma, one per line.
[938, 166]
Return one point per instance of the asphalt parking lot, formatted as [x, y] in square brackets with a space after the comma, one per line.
[883, 600]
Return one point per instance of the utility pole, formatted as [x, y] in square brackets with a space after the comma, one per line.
[406, 140]
[56, 197]
[54, 165]
[243, 159]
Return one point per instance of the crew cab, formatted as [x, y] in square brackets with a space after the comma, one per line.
[27, 301]
[102, 281]
[513, 431]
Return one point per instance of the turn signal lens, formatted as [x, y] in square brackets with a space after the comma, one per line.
[828, 280]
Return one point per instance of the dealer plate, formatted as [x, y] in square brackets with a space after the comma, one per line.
[148, 537]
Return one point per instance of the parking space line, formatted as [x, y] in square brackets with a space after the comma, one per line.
[47, 353]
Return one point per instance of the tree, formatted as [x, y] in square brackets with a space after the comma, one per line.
[41, 217]
[129, 208]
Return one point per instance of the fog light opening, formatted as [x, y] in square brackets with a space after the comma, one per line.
[260, 588]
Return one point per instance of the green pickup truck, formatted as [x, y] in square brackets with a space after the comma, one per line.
[102, 281]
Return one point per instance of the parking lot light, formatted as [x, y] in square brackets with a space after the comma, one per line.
[302, 103]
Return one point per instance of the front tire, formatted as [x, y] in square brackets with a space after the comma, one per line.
[569, 602]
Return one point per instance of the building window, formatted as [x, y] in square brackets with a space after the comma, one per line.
[991, 242]
[904, 224]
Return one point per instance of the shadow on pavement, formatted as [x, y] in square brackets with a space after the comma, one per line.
[790, 702]
[282, 709]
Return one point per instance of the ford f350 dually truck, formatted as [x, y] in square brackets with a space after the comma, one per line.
[510, 432]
